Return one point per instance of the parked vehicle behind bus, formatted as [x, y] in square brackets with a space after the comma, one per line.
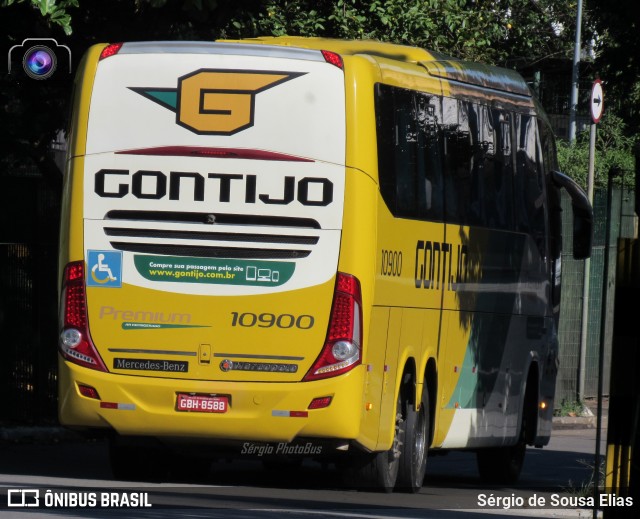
[349, 245]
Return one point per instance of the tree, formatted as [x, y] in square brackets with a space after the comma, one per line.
[53, 11]
[515, 33]
[614, 148]
[31, 111]
[618, 47]
[492, 31]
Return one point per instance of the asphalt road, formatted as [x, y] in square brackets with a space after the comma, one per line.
[243, 488]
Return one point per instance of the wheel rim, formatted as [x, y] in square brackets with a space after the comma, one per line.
[420, 447]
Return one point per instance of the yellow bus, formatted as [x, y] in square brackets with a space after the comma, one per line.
[349, 247]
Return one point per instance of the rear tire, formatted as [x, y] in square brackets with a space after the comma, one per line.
[378, 470]
[501, 465]
[415, 430]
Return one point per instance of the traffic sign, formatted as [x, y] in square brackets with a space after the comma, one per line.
[597, 101]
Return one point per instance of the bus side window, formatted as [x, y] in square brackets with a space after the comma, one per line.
[386, 140]
[529, 186]
[503, 169]
[478, 166]
[456, 161]
[479, 211]
[495, 175]
[409, 163]
[406, 155]
[429, 171]
[554, 210]
[553, 194]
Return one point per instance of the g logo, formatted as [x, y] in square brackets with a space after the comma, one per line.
[214, 101]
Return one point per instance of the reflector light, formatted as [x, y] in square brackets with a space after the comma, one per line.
[75, 343]
[116, 405]
[290, 414]
[320, 402]
[333, 58]
[345, 327]
[110, 50]
[88, 391]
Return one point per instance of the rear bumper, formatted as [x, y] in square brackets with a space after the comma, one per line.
[146, 406]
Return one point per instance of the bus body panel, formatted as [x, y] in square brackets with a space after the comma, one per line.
[131, 325]
[143, 406]
[165, 321]
[221, 187]
[377, 381]
[166, 207]
[271, 100]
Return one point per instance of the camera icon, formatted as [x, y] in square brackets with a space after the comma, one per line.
[38, 58]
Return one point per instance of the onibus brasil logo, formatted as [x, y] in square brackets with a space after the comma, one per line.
[215, 101]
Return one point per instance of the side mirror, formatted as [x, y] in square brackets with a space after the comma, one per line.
[582, 232]
[582, 215]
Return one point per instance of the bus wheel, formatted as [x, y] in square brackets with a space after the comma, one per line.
[415, 436]
[502, 464]
[379, 469]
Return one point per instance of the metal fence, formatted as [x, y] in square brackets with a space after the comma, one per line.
[622, 225]
[30, 207]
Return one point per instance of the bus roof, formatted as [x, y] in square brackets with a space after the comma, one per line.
[346, 47]
[436, 64]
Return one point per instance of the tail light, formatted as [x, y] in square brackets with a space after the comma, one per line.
[75, 343]
[342, 349]
[333, 58]
[110, 50]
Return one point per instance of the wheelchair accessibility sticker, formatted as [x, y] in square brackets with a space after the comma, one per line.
[105, 268]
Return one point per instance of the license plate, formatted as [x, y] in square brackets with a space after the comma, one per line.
[202, 403]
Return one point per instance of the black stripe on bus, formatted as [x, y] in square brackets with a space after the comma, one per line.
[209, 252]
[212, 218]
[222, 236]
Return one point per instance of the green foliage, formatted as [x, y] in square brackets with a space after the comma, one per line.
[55, 11]
[492, 31]
[585, 488]
[617, 46]
[613, 149]
[570, 408]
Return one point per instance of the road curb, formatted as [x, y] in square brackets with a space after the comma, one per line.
[574, 422]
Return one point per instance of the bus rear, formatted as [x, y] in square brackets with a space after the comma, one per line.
[199, 252]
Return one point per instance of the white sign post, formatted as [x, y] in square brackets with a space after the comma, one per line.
[597, 101]
[596, 106]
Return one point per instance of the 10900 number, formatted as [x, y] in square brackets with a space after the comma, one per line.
[267, 320]
[391, 264]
